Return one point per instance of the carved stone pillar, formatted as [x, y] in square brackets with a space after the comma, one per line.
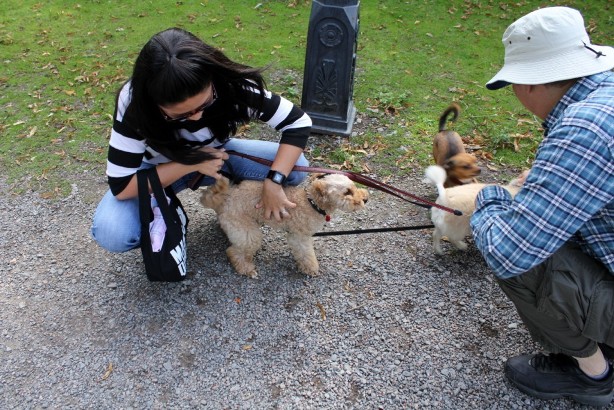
[330, 62]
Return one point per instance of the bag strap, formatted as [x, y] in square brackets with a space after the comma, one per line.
[144, 199]
[159, 194]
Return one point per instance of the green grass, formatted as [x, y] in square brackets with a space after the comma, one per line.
[62, 62]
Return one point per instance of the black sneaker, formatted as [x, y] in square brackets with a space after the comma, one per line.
[557, 376]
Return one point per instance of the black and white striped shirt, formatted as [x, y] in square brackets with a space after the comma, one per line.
[127, 149]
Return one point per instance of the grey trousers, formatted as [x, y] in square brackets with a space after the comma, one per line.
[567, 302]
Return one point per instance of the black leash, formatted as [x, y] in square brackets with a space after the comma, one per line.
[373, 230]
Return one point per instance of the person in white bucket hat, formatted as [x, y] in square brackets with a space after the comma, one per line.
[552, 246]
[549, 45]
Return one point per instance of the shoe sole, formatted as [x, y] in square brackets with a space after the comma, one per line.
[591, 400]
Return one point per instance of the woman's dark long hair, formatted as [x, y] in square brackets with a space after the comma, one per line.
[175, 65]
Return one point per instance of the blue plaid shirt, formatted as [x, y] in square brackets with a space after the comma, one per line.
[569, 194]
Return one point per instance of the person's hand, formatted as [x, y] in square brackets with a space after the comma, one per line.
[274, 201]
[212, 167]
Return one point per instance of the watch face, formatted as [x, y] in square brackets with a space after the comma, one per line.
[278, 178]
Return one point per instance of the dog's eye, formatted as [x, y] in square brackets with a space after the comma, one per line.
[348, 192]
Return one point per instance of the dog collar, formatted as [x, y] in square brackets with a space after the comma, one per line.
[318, 209]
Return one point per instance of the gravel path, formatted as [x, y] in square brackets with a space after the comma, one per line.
[387, 325]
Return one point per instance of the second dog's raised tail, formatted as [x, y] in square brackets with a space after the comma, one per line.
[453, 109]
[437, 176]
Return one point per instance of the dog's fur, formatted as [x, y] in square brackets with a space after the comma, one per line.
[449, 152]
[461, 197]
[239, 218]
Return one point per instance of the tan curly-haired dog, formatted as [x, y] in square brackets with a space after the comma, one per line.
[461, 197]
[239, 218]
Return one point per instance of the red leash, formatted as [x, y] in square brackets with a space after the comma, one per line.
[354, 176]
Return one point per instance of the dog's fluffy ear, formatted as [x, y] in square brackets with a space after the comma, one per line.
[318, 187]
[215, 196]
[317, 175]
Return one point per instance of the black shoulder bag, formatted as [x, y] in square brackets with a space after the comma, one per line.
[169, 263]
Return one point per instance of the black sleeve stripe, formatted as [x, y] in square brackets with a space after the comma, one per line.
[294, 115]
[270, 108]
[124, 159]
[296, 136]
[117, 185]
[125, 130]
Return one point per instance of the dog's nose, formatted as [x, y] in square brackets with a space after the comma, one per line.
[479, 171]
[365, 200]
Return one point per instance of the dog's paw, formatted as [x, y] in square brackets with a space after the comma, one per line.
[241, 263]
[310, 272]
[253, 274]
[246, 270]
[460, 245]
[437, 249]
[308, 265]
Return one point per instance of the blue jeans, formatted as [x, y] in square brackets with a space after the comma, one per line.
[117, 227]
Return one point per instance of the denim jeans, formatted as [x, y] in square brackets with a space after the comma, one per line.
[116, 226]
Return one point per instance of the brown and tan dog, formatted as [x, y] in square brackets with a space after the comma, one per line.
[449, 152]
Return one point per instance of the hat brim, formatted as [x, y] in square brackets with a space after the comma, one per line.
[579, 62]
[497, 84]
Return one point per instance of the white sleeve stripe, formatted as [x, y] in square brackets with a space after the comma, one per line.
[284, 109]
[123, 101]
[126, 144]
[303, 122]
[116, 171]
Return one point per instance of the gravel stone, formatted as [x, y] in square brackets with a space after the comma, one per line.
[403, 329]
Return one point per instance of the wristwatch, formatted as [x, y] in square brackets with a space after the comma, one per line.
[276, 177]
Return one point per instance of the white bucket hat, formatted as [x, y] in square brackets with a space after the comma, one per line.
[547, 45]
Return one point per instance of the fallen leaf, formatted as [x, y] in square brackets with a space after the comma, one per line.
[106, 374]
[525, 121]
[322, 310]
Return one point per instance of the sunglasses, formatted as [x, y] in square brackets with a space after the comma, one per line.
[195, 111]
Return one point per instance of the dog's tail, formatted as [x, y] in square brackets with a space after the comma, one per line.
[215, 196]
[437, 176]
[454, 108]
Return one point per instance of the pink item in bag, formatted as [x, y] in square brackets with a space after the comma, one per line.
[157, 228]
